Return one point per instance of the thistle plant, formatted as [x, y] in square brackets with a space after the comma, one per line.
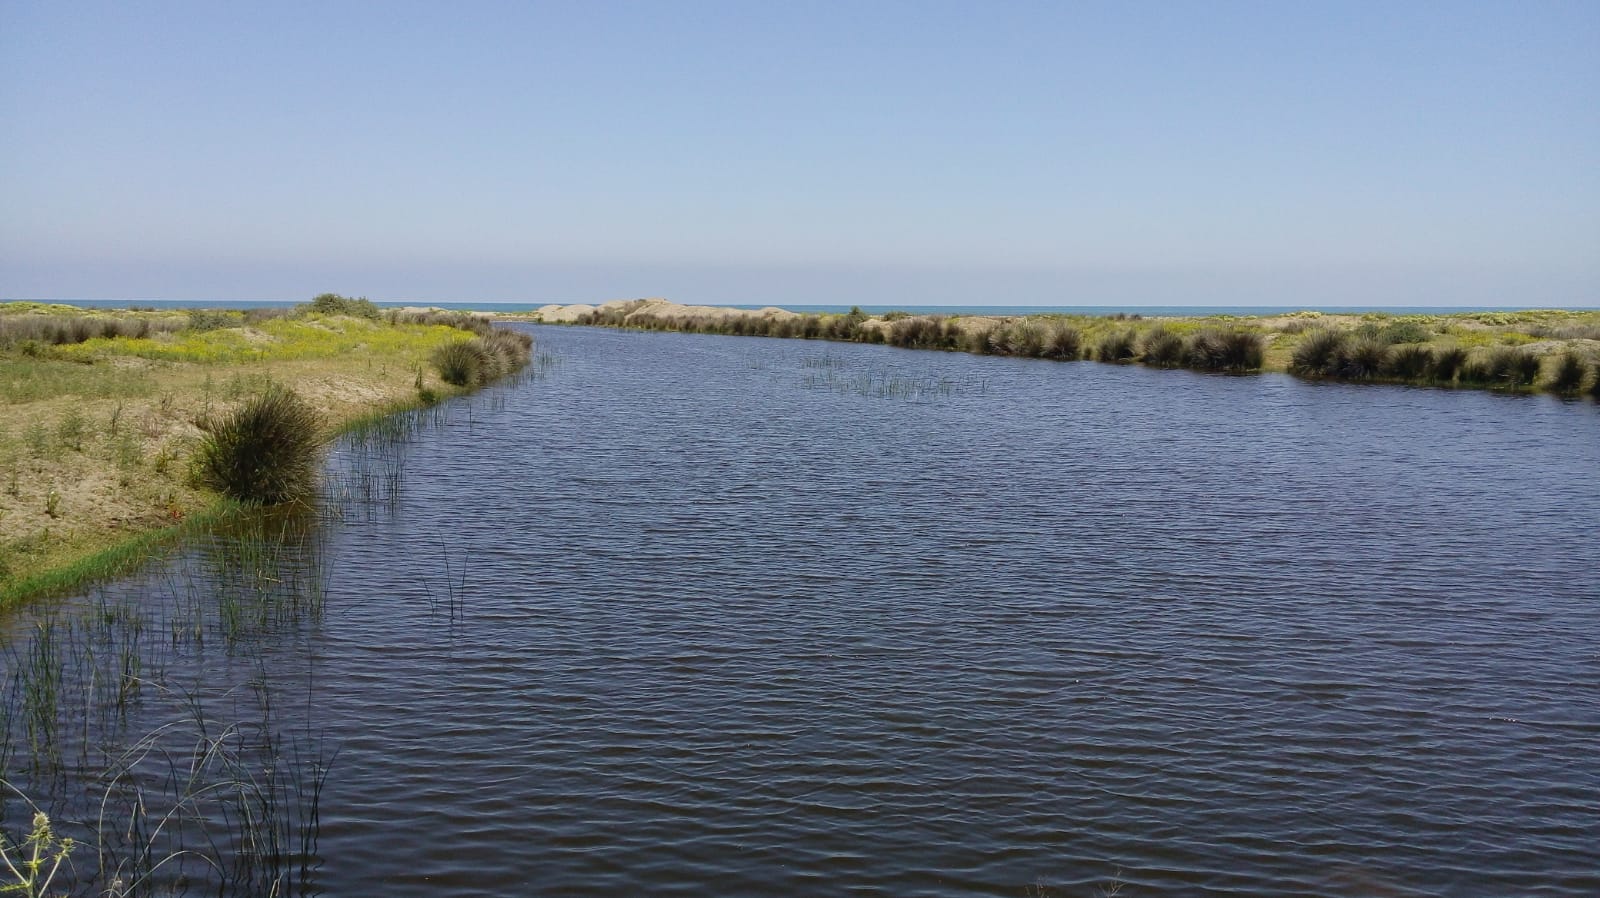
[32, 865]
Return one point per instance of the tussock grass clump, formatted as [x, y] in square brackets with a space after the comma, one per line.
[1446, 363]
[462, 362]
[1224, 350]
[1362, 359]
[263, 453]
[1065, 342]
[466, 363]
[913, 333]
[1318, 353]
[1505, 368]
[1568, 376]
[1594, 386]
[1409, 362]
[1161, 348]
[1116, 347]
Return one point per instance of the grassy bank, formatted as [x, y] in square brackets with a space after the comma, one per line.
[102, 412]
[1522, 351]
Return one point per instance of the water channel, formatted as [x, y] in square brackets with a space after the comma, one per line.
[694, 615]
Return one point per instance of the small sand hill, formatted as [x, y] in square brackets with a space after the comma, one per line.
[558, 314]
[654, 307]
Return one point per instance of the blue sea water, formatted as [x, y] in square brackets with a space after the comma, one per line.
[1148, 311]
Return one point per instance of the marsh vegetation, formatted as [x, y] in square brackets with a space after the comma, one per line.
[1524, 351]
[119, 428]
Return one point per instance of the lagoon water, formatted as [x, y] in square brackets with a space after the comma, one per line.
[700, 615]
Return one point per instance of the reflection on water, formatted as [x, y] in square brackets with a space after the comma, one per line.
[707, 615]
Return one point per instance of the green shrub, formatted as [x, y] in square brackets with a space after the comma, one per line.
[334, 304]
[213, 319]
[72, 430]
[1594, 386]
[263, 453]
[1405, 330]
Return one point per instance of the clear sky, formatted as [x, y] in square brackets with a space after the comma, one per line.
[873, 152]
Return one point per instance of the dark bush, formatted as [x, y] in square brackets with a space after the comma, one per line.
[1568, 376]
[1362, 359]
[1523, 367]
[1224, 350]
[1446, 363]
[264, 452]
[1409, 363]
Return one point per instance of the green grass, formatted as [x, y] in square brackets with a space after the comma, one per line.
[118, 559]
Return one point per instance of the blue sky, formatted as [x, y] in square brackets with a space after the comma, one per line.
[809, 152]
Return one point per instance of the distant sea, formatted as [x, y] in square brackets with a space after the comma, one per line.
[1148, 311]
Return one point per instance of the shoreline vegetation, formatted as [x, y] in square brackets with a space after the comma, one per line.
[1539, 350]
[122, 430]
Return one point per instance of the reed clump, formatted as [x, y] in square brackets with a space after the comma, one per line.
[265, 452]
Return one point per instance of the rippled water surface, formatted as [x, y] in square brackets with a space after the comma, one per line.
[701, 615]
